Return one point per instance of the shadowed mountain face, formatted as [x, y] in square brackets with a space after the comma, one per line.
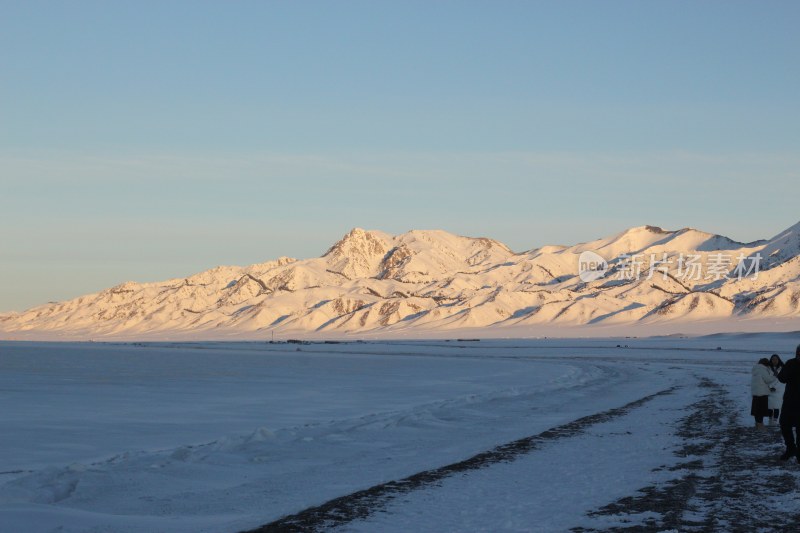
[372, 281]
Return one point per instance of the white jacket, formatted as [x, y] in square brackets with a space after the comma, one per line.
[761, 380]
[776, 398]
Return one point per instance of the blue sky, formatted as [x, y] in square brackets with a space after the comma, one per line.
[148, 140]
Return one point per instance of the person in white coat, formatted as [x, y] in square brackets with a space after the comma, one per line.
[761, 383]
[778, 388]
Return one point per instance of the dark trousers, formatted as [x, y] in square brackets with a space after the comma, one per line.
[787, 425]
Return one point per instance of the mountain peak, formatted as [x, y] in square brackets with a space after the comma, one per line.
[656, 239]
[357, 254]
[656, 229]
[445, 238]
[783, 246]
[356, 240]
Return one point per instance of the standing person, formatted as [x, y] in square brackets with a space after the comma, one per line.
[761, 381]
[790, 413]
[777, 390]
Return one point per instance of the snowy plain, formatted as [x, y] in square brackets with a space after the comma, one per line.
[227, 436]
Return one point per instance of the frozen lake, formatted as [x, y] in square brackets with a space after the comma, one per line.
[229, 436]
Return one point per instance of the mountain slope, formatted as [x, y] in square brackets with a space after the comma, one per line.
[373, 282]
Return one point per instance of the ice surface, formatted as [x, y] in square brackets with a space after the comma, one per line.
[226, 436]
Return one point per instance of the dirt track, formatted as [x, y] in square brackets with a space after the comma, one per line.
[732, 478]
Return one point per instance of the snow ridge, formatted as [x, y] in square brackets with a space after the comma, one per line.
[427, 281]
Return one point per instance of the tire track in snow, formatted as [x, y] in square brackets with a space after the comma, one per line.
[361, 504]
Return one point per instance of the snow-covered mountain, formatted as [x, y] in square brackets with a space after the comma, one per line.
[427, 281]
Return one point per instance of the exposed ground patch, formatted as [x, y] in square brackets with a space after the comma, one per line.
[731, 478]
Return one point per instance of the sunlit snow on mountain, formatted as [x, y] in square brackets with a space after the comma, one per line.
[429, 282]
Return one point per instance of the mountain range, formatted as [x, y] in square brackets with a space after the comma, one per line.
[433, 283]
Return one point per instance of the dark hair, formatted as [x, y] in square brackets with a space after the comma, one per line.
[763, 361]
[780, 362]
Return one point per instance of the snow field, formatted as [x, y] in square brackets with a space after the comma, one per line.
[224, 437]
[552, 488]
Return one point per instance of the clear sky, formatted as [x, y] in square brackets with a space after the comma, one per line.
[153, 139]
